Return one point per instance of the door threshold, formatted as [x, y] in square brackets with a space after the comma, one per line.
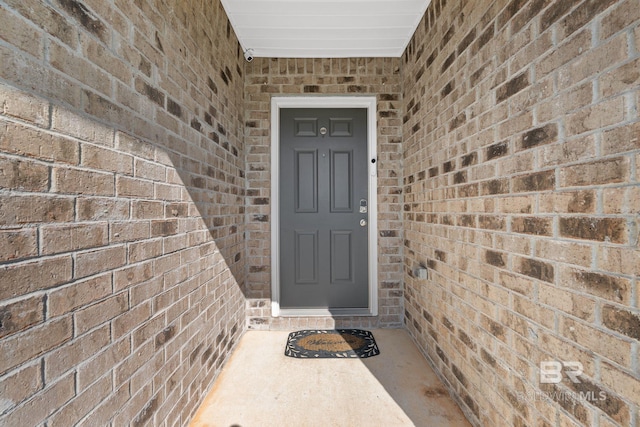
[323, 312]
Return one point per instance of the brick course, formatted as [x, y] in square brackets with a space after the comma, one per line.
[520, 137]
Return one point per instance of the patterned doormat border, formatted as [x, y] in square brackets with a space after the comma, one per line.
[324, 344]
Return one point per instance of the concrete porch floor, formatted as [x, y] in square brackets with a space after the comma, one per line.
[260, 387]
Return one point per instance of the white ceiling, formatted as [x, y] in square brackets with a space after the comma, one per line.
[325, 28]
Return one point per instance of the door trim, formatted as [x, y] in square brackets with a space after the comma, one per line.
[368, 102]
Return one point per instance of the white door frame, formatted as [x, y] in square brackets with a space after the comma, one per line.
[368, 102]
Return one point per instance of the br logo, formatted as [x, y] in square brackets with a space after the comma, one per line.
[551, 372]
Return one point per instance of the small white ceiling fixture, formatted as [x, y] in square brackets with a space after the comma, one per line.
[325, 28]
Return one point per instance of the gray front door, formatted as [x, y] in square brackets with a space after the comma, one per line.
[323, 208]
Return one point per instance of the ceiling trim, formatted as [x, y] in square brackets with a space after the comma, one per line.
[325, 28]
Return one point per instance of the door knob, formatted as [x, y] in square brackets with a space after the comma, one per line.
[363, 223]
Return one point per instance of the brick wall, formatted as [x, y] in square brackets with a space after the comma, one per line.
[522, 198]
[121, 209]
[312, 77]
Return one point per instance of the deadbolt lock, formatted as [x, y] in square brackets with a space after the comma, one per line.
[363, 206]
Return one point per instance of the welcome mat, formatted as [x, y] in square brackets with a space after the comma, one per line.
[340, 343]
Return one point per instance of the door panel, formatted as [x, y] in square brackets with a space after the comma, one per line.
[306, 127]
[306, 177]
[306, 249]
[323, 178]
[341, 257]
[341, 127]
[341, 181]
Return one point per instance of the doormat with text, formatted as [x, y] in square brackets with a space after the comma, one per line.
[340, 343]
